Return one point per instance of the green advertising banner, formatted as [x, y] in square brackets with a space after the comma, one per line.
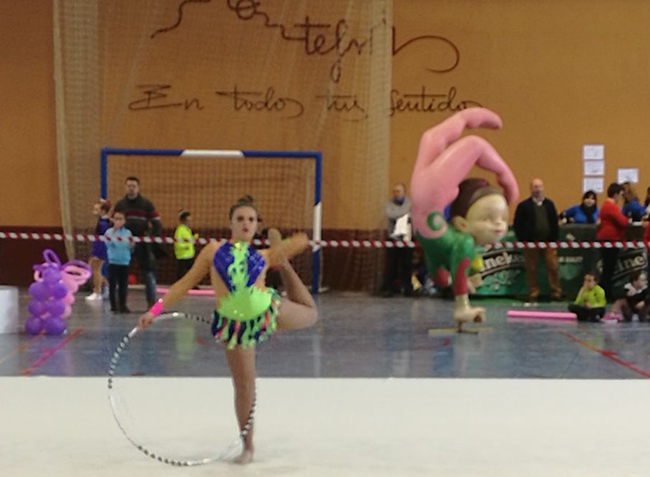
[503, 270]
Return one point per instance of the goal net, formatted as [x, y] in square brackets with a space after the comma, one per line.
[206, 74]
[284, 184]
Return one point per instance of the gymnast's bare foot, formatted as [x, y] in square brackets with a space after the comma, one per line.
[246, 457]
[276, 253]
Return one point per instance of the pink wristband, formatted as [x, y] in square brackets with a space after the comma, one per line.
[157, 308]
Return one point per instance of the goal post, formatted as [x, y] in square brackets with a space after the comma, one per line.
[286, 185]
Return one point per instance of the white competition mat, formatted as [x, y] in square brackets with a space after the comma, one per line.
[62, 427]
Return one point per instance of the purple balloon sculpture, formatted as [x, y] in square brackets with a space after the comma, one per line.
[37, 307]
[53, 293]
[51, 276]
[33, 325]
[39, 291]
[55, 308]
[59, 290]
[54, 326]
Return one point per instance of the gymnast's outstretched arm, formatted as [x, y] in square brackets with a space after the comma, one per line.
[192, 278]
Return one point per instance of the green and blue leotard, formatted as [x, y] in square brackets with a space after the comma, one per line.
[247, 314]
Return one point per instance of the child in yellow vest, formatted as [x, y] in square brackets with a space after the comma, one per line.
[590, 302]
[184, 245]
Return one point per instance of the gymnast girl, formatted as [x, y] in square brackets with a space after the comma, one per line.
[478, 213]
[98, 255]
[246, 312]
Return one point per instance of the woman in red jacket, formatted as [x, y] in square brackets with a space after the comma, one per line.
[611, 227]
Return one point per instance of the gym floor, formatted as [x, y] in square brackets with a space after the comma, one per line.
[358, 336]
[544, 399]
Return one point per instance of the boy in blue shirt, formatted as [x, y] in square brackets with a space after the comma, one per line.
[119, 257]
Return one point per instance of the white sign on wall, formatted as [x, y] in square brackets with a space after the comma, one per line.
[593, 183]
[593, 151]
[593, 168]
[627, 174]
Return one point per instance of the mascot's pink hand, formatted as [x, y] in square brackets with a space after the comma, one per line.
[444, 159]
[509, 184]
[481, 118]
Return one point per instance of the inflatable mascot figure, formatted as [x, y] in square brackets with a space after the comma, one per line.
[478, 213]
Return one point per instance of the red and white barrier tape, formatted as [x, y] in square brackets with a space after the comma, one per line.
[202, 241]
[574, 244]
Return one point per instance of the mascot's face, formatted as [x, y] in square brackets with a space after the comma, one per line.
[486, 219]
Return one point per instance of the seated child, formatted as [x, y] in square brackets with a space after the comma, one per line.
[590, 302]
[636, 299]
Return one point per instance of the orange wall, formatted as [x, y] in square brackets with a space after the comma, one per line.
[29, 188]
[560, 74]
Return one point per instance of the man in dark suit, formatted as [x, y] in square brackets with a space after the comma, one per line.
[536, 220]
[142, 219]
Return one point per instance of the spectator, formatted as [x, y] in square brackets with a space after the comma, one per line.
[119, 258]
[142, 219]
[184, 244]
[398, 259]
[646, 240]
[632, 209]
[584, 213]
[590, 302]
[636, 298]
[536, 220]
[98, 250]
[647, 199]
[422, 282]
[611, 226]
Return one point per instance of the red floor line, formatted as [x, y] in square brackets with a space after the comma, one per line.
[444, 343]
[21, 347]
[609, 354]
[51, 351]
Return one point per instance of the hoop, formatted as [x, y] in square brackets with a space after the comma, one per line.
[113, 399]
